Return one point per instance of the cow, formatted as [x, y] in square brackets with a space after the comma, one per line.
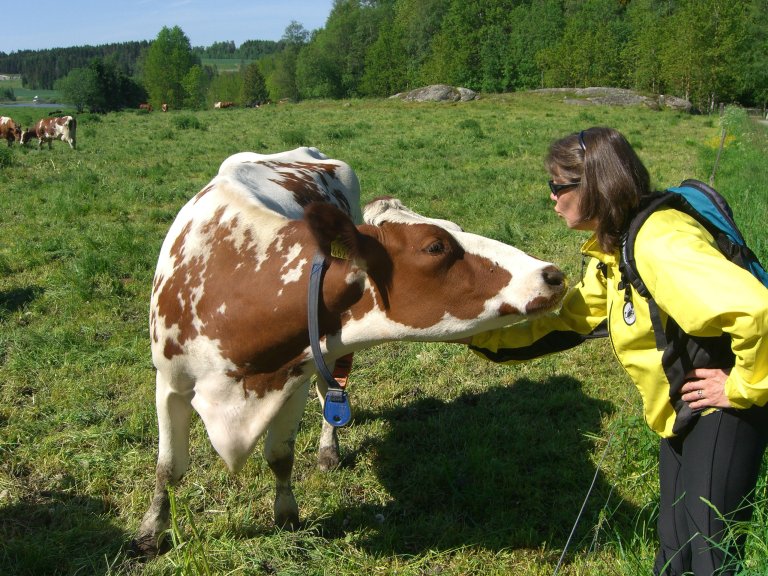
[9, 130]
[62, 128]
[164, 107]
[223, 105]
[146, 107]
[228, 310]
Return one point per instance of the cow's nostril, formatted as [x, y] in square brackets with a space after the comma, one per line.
[553, 276]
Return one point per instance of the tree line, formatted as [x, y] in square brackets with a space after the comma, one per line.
[707, 51]
[39, 69]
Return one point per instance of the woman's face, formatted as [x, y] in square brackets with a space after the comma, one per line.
[566, 194]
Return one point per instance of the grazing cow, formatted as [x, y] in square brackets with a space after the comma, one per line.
[164, 107]
[62, 128]
[145, 106]
[228, 313]
[9, 130]
[223, 104]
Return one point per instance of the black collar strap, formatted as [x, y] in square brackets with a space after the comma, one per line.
[336, 409]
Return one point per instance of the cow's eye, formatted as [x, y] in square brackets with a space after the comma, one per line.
[437, 247]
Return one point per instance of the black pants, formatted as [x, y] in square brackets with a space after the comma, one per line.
[717, 461]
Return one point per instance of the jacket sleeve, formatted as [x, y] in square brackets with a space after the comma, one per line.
[582, 316]
[708, 295]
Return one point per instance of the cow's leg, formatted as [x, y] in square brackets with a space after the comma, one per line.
[279, 453]
[173, 417]
[328, 449]
[328, 456]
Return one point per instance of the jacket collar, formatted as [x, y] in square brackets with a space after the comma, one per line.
[592, 248]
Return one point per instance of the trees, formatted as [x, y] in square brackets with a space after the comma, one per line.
[588, 52]
[79, 88]
[395, 60]
[168, 61]
[100, 87]
[703, 50]
[254, 88]
[535, 28]
[754, 80]
[708, 51]
[194, 85]
[39, 69]
[281, 81]
[386, 64]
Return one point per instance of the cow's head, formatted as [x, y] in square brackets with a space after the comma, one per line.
[426, 279]
[26, 135]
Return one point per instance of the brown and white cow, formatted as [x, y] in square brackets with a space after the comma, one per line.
[228, 313]
[62, 128]
[9, 130]
[223, 105]
[146, 107]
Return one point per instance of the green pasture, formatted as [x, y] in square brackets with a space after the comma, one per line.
[23, 94]
[451, 466]
[226, 64]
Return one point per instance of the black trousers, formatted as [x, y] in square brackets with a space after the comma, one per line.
[707, 478]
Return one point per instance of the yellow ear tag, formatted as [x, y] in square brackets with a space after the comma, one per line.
[338, 250]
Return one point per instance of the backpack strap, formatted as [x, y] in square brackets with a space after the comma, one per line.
[630, 278]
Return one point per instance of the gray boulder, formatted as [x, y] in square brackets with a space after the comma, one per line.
[438, 93]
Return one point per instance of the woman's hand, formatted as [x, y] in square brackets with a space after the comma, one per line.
[705, 388]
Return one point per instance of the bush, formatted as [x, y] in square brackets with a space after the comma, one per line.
[187, 121]
[6, 156]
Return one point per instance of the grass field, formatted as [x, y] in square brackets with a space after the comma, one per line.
[23, 94]
[452, 465]
[226, 64]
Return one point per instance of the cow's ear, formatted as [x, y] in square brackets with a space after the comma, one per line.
[334, 231]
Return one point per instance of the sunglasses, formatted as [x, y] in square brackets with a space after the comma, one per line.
[558, 189]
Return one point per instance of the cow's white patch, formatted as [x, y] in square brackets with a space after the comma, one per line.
[293, 274]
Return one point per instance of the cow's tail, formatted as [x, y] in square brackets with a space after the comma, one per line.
[72, 125]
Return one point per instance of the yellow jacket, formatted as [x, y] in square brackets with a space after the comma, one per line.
[690, 280]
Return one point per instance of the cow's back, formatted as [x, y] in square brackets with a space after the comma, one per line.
[237, 232]
[288, 181]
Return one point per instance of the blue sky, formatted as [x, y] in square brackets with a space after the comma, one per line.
[40, 24]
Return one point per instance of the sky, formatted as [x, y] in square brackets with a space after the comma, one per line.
[41, 24]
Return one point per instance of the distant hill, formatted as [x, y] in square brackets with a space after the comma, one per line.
[39, 69]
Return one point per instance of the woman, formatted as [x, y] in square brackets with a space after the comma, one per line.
[713, 419]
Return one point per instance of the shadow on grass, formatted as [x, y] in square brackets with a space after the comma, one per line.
[508, 468]
[58, 533]
[17, 298]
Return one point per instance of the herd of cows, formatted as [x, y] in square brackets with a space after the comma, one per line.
[62, 128]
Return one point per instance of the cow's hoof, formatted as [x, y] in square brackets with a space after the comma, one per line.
[328, 459]
[145, 548]
[288, 522]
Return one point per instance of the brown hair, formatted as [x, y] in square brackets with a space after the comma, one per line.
[613, 179]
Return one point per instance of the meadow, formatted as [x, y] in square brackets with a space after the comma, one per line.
[451, 466]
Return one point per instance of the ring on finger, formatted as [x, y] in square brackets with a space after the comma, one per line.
[700, 393]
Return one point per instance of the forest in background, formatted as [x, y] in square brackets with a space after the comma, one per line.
[706, 51]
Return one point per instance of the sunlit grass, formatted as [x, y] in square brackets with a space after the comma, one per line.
[452, 465]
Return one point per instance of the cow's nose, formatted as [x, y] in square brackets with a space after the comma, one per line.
[553, 276]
